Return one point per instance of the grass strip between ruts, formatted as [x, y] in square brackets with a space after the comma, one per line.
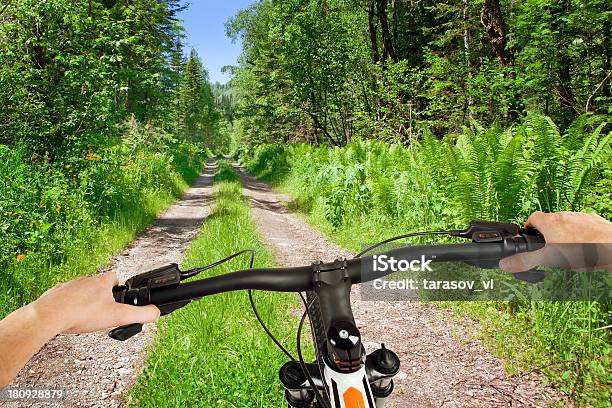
[213, 352]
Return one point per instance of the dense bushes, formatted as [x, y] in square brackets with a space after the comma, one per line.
[343, 69]
[480, 173]
[57, 218]
[370, 190]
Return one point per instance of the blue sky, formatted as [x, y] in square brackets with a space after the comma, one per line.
[204, 23]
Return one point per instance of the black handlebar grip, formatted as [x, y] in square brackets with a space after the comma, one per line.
[119, 293]
[125, 332]
[532, 235]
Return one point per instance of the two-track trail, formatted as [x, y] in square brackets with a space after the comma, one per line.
[93, 369]
[444, 364]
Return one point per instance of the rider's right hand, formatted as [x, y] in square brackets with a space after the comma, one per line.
[571, 227]
[561, 228]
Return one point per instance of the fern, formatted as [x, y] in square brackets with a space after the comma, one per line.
[510, 179]
[590, 156]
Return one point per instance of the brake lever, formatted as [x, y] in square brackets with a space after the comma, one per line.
[123, 333]
[531, 276]
[137, 290]
[502, 232]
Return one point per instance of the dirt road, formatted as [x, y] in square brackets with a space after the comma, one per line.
[93, 369]
[443, 362]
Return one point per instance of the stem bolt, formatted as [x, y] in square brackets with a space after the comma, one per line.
[343, 334]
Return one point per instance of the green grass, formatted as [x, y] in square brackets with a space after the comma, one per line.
[212, 353]
[225, 172]
[574, 358]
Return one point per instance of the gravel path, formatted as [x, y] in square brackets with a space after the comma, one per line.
[93, 369]
[443, 362]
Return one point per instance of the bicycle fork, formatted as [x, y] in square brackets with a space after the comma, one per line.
[368, 387]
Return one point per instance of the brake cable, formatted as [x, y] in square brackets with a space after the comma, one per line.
[192, 272]
[498, 229]
[265, 328]
[412, 234]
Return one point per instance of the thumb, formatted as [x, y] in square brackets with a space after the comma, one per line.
[128, 314]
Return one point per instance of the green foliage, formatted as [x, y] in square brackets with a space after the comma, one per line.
[225, 99]
[199, 117]
[71, 74]
[370, 190]
[485, 173]
[600, 199]
[60, 220]
[327, 72]
[215, 344]
[270, 162]
[92, 148]
[225, 172]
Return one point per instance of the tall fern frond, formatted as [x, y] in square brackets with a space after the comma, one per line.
[541, 147]
[510, 178]
[474, 181]
[590, 156]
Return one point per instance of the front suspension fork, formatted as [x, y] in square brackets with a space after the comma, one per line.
[380, 367]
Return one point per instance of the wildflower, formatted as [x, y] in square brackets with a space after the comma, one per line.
[91, 156]
[68, 166]
[20, 257]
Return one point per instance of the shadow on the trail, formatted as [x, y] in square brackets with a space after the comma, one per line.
[195, 200]
[250, 184]
[273, 206]
[178, 222]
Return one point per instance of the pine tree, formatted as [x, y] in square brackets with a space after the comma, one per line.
[198, 114]
[190, 95]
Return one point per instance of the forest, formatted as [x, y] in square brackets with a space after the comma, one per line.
[103, 120]
[378, 117]
[334, 71]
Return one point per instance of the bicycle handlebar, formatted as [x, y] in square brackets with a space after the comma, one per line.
[162, 287]
[300, 279]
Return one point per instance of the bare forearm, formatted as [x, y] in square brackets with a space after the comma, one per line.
[80, 306]
[22, 334]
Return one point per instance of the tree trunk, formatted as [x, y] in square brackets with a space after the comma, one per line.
[466, 51]
[606, 59]
[492, 19]
[387, 41]
[373, 36]
[563, 86]
[394, 25]
[564, 75]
